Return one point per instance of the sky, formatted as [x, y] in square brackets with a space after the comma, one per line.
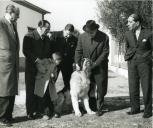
[76, 12]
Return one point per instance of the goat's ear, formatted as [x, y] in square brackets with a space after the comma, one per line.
[74, 66]
[82, 61]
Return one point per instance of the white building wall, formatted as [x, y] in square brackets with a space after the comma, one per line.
[28, 18]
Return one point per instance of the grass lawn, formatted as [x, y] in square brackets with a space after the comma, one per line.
[117, 103]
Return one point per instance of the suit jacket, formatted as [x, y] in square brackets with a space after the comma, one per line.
[65, 46]
[48, 79]
[96, 49]
[140, 49]
[9, 59]
[34, 47]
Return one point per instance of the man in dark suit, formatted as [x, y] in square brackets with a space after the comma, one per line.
[66, 44]
[36, 47]
[9, 63]
[139, 46]
[94, 44]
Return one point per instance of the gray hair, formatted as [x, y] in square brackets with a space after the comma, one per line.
[11, 9]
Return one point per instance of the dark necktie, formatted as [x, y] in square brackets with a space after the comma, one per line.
[42, 37]
[134, 34]
[15, 31]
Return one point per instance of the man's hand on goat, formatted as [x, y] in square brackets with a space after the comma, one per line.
[93, 65]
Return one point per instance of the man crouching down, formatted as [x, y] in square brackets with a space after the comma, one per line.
[45, 87]
[79, 87]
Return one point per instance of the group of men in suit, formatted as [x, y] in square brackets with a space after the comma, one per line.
[92, 44]
[38, 46]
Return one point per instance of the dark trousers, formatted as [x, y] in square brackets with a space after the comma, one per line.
[140, 72]
[31, 99]
[100, 78]
[6, 107]
[45, 105]
[66, 69]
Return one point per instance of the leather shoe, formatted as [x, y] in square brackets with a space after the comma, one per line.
[147, 115]
[38, 115]
[45, 117]
[30, 117]
[11, 119]
[133, 112]
[99, 113]
[57, 115]
[5, 122]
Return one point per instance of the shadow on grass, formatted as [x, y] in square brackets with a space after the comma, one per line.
[119, 103]
[111, 103]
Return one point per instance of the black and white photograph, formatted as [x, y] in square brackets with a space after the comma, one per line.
[76, 63]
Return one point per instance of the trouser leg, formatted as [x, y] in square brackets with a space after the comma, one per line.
[48, 107]
[134, 91]
[66, 70]
[145, 72]
[31, 99]
[6, 106]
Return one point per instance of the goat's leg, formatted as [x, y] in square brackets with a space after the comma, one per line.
[75, 105]
[86, 105]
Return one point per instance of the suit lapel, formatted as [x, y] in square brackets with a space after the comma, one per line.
[16, 32]
[141, 35]
[95, 44]
[40, 42]
[11, 30]
[94, 47]
[133, 38]
[53, 69]
[90, 43]
[36, 35]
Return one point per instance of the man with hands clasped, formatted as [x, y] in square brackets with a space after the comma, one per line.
[36, 48]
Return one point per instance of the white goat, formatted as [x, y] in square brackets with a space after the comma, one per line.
[79, 88]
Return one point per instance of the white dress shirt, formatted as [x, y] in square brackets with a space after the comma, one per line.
[8, 17]
[137, 32]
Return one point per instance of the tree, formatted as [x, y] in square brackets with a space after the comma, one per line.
[114, 13]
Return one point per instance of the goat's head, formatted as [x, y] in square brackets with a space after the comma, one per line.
[86, 63]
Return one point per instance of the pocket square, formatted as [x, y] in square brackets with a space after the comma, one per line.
[144, 40]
